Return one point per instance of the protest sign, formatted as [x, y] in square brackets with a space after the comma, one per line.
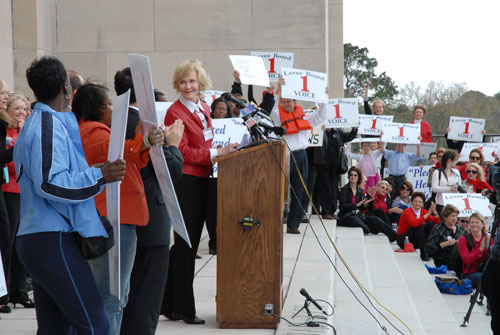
[372, 124]
[227, 131]
[400, 132]
[274, 61]
[316, 136]
[342, 113]
[210, 96]
[252, 70]
[304, 85]
[490, 151]
[466, 129]
[418, 177]
[468, 203]
[495, 139]
[161, 111]
[425, 149]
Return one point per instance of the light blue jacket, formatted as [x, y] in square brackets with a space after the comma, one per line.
[54, 177]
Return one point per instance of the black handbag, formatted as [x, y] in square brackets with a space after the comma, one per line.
[343, 166]
[96, 246]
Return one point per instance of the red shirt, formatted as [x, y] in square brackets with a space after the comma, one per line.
[11, 186]
[409, 219]
[425, 132]
[379, 202]
[471, 259]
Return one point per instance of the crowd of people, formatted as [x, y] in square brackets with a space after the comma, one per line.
[54, 158]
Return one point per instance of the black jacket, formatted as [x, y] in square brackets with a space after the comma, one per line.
[345, 199]
[333, 140]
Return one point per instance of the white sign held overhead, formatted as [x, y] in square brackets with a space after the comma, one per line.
[143, 86]
[115, 150]
[372, 124]
[210, 96]
[468, 203]
[466, 129]
[342, 113]
[274, 61]
[252, 70]
[304, 85]
[490, 151]
[400, 132]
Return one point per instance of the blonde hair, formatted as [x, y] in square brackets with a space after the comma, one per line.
[480, 171]
[3, 85]
[185, 68]
[5, 116]
[480, 217]
[378, 101]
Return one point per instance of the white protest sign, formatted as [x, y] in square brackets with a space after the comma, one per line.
[372, 124]
[274, 61]
[304, 85]
[210, 96]
[365, 139]
[342, 113]
[316, 136]
[425, 149]
[161, 111]
[227, 131]
[116, 145]
[418, 177]
[466, 129]
[252, 70]
[400, 132]
[3, 283]
[143, 86]
[468, 203]
[490, 151]
[495, 139]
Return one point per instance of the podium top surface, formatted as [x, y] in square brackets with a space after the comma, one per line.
[246, 151]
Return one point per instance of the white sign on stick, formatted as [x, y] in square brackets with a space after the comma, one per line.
[161, 111]
[342, 113]
[372, 124]
[210, 96]
[227, 131]
[143, 86]
[466, 129]
[115, 150]
[274, 61]
[316, 136]
[252, 70]
[401, 132]
[304, 85]
[490, 151]
[425, 149]
[3, 283]
[468, 203]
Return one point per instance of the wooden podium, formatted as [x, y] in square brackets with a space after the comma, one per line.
[250, 255]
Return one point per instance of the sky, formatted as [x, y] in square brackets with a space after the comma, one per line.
[441, 40]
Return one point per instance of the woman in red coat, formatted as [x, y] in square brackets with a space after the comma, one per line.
[192, 190]
[416, 224]
[425, 128]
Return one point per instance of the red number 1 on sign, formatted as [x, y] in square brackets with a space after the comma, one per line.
[466, 128]
[467, 205]
[271, 65]
[337, 111]
[401, 131]
[304, 84]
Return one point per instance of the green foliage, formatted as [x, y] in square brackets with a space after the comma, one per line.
[359, 70]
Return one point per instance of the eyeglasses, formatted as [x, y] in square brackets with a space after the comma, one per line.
[475, 158]
[353, 175]
[471, 171]
[383, 187]
[405, 189]
[463, 221]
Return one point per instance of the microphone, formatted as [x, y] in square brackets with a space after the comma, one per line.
[311, 300]
[229, 97]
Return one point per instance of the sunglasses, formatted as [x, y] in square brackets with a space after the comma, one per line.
[463, 221]
[471, 171]
[352, 175]
[475, 158]
[405, 189]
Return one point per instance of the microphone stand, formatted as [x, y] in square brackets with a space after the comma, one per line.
[311, 323]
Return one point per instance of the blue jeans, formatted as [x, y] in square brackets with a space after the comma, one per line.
[474, 278]
[100, 267]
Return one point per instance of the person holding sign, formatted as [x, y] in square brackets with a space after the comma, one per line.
[57, 190]
[368, 163]
[425, 128]
[378, 105]
[444, 236]
[416, 224]
[446, 179]
[298, 126]
[192, 190]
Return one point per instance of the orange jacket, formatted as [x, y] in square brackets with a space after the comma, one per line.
[133, 206]
[294, 122]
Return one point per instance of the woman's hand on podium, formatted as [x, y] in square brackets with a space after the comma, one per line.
[230, 148]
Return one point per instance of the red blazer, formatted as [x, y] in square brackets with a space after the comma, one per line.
[11, 186]
[471, 259]
[425, 132]
[409, 219]
[193, 147]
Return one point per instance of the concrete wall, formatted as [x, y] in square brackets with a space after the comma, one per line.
[95, 36]
[6, 55]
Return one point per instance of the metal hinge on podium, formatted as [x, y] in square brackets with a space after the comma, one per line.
[248, 222]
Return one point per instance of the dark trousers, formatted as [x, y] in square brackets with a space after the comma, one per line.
[328, 179]
[192, 193]
[298, 203]
[5, 243]
[490, 278]
[147, 287]
[66, 296]
[211, 216]
[370, 224]
[311, 181]
[417, 236]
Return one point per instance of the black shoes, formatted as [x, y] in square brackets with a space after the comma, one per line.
[304, 219]
[197, 256]
[292, 231]
[212, 251]
[26, 304]
[5, 309]
[189, 320]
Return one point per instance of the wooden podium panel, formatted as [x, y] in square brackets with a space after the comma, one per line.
[250, 261]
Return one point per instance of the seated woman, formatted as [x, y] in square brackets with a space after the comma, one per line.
[473, 248]
[444, 236]
[381, 206]
[403, 201]
[352, 203]
[476, 180]
[416, 223]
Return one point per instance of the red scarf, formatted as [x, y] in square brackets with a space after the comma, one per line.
[479, 184]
